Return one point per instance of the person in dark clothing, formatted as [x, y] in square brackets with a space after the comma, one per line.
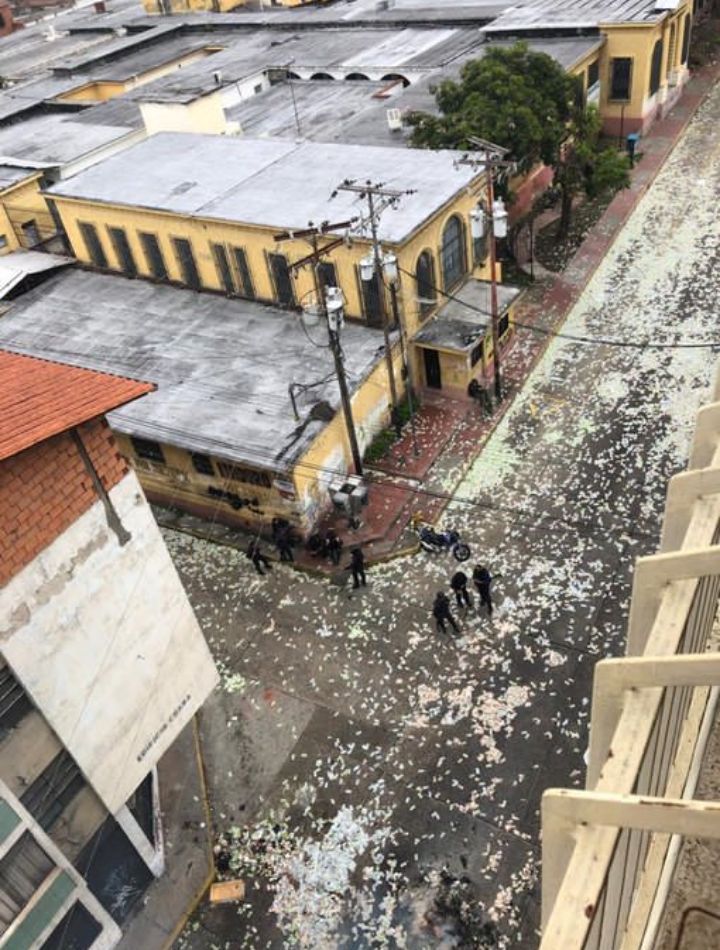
[483, 580]
[282, 538]
[459, 585]
[333, 545]
[357, 566]
[257, 557]
[284, 546]
[441, 613]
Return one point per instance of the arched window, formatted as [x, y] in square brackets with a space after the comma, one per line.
[454, 257]
[655, 67]
[686, 40]
[396, 77]
[425, 280]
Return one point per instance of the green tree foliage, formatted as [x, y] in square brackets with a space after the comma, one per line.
[527, 103]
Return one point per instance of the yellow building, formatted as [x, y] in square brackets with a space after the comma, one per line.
[245, 424]
[25, 219]
[203, 211]
[644, 67]
[642, 64]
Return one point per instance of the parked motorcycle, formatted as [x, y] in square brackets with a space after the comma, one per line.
[438, 541]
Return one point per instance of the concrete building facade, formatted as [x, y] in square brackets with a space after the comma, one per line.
[102, 663]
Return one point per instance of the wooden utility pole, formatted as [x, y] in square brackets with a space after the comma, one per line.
[378, 198]
[313, 234]
[492, 158]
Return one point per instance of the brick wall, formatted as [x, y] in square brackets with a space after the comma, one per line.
[46, 487]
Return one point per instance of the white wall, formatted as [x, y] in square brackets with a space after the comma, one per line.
[105, 642]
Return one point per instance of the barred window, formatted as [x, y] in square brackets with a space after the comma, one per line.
[92, 243]
[147, 449]
[454, 257]
[239, 473]
[153, 255]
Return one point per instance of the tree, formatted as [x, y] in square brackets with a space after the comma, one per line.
[527, 103]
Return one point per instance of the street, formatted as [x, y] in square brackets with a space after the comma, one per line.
[390, 778]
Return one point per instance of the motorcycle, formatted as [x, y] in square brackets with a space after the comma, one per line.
[438, 541]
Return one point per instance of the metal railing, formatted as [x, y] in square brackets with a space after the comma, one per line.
[609, 852]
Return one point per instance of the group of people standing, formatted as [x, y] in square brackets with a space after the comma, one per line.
[482, 579]
[331, 547]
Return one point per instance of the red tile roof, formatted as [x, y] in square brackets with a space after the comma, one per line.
[39, 399]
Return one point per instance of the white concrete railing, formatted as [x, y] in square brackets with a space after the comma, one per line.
[609, 851]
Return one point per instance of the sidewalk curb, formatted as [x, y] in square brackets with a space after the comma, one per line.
[580, 289]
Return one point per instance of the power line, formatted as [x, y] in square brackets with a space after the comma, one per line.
[599, 341]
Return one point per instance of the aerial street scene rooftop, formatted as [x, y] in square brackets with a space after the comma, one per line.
[359, 475]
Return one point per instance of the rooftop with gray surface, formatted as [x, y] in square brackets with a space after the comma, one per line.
[222, 367]
[575, 14]
[465, 318]
[56, 139]
[270, 183]
[340, 51]
[356, 112]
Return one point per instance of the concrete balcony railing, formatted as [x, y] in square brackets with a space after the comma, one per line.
[609, 852]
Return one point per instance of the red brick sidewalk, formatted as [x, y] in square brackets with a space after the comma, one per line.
[446, 426]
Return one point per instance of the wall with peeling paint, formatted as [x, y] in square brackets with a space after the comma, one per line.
[105, 642]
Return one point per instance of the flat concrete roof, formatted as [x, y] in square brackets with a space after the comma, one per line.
[222, 367]
[462, 321]
[359, 13]
[323, 108]
[56, 139]
[270, 182]
[356, 112]
[574, 14]
[11, 174]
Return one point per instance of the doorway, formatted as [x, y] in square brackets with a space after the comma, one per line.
[433, 378]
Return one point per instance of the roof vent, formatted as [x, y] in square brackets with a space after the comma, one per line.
[218, 77]
[394, 119]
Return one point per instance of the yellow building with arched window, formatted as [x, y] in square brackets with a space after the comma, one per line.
[203, 211]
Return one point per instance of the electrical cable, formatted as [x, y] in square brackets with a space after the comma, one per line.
[599, 341]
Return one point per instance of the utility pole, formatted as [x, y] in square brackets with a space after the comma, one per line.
[313, 234]
[492, 158]
[406, 365]
[379, 198]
